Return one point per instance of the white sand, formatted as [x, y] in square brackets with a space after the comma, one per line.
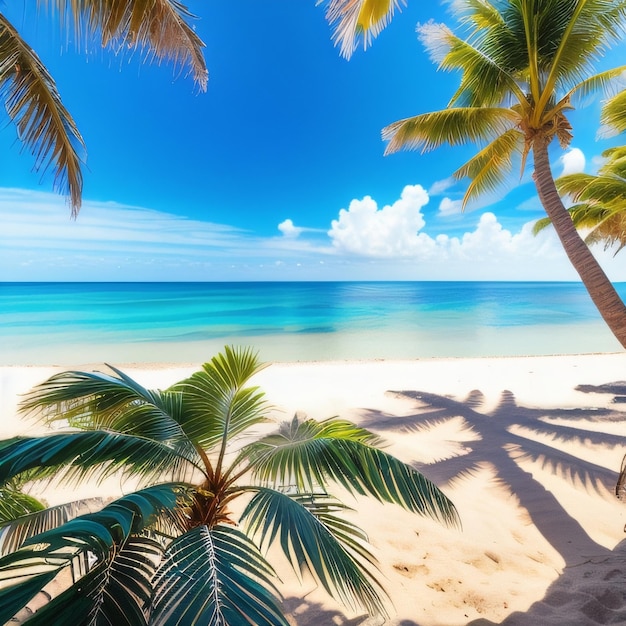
[530, 463]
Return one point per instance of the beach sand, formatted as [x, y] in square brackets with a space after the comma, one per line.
[528, 449]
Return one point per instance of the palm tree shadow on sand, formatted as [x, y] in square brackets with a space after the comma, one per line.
[505, 438]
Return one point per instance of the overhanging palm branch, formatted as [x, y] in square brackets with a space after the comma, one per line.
[43, 123]
[356, 21]
[215, 577]
[159, 27]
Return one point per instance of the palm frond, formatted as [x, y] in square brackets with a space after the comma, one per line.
[488, 169]
[43, 123]
[307, 454]
[218, 404]
[574, 185]
[95, 400]
[92, 454]
[605, 82]
[101, 535]
[316, 540]
[15, 503]
[613, 116]
[484, 81]
[356, 21]
[14, 532]
[215, 577]
[158, 27]
[454, 126]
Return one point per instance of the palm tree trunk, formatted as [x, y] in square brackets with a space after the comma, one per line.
[598, 285]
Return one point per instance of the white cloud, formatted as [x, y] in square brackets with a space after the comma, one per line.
[392, 231]
[110, 241]
[441, 186]
[573, 162]
[450, 207]
[288, 229]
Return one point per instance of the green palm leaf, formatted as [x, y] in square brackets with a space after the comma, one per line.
[308, 453]
[484, 81]
[95, 400]
[103, 535]
[15, 531]
[453, 126]
[43, 123]
[356, 20]
[613, 114]
[95, 453]
[489, 167]
[215, 577]
[316, 540]
[15, 503]
[157, 26]
[218, 405]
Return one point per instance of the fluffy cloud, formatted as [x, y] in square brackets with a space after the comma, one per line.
[392, 231]
[450, 207]
[289, 230]
[573, 162]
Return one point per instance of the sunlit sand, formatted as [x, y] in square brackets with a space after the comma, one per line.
[528, 448]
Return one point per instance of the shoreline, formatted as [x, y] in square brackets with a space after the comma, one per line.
[535, 444]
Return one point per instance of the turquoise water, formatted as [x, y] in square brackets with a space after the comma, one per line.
[187, 322]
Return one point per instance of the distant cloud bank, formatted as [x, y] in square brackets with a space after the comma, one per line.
[112, 241]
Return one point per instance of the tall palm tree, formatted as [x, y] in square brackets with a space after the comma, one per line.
[31, 97]
[600, 201]
[175, 551]
[522, 63]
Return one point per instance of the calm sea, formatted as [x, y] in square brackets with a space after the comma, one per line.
[76, 323]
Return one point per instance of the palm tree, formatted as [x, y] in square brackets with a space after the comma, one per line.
[600, 201]
[175, 551]
[522, 63]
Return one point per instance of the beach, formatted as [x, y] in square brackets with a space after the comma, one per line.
[528, 449]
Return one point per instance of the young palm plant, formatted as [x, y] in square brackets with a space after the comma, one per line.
[522, 63]
[179, 550]
[599, 201]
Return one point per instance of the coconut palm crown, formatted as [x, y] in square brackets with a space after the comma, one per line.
[180, 549]
[522, 64]
[599, 200]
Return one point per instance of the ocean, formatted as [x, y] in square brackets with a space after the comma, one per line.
[118, 323]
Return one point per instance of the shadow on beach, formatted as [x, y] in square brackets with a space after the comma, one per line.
[510, 438]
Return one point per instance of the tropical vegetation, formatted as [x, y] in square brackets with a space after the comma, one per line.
[161, 29]
[213, 484]
[522, 64]
[599, 207]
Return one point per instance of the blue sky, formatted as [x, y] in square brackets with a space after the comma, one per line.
[276, 172]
